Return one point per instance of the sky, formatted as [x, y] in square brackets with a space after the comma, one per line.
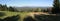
[59, 1]
[27, 2]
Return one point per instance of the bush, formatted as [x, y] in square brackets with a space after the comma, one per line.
[2, 14]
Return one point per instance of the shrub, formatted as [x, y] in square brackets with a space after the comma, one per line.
[2, 14]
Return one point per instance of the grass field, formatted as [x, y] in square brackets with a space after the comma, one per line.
[21, 14]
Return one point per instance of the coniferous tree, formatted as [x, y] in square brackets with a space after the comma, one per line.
[4, 7]
[11, 9]
[0, 7]
[56, 8]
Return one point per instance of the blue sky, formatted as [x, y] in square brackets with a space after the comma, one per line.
[27, 2]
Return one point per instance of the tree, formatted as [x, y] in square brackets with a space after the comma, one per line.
[4, 7]
[0, 7]
[56, 8]
[11, 9]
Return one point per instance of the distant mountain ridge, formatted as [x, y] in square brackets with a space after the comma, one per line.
[27, 8]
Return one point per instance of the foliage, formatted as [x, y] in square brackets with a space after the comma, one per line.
[3, 7]
[56, 8]
[11, 9]
[2, 14]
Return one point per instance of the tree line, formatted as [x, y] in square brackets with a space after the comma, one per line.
[10, 8]
[5, 8]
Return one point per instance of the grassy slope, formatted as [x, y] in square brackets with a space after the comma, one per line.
[22, 14]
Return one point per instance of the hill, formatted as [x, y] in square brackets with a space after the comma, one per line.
[30, 8]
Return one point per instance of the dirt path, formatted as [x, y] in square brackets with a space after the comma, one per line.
[37, 13]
